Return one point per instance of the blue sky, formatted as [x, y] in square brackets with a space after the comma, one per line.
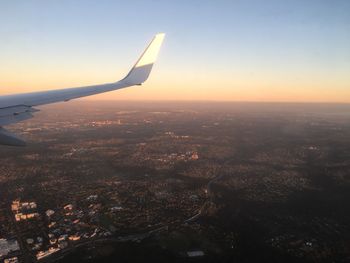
[244, 48]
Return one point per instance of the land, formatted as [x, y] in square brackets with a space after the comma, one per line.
[178, 182]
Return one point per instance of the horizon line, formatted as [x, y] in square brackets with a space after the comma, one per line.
[211, 101]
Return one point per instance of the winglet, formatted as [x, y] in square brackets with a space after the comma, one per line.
[141, 70]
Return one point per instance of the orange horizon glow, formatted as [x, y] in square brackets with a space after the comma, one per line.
[204, 87]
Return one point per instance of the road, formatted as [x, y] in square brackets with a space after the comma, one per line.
[210, 196]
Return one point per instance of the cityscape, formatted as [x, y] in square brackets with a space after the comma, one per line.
[178, 182]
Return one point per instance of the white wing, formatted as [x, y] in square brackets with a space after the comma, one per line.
[19, 107]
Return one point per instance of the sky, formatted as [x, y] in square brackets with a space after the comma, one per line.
[236, 50]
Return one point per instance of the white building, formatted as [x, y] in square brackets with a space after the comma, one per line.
[49, 212]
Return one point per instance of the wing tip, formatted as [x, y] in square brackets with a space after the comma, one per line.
[160, 34]
[142, 68]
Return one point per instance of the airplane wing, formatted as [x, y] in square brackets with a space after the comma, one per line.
[19, 107]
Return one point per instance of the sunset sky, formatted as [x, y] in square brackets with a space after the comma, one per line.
[235, 50]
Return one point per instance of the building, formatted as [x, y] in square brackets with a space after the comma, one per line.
[68, 207]
[7, 246]
[49, 212]
[74, 238]
[195, 253]
[195, 156]
[21, 216]
[92, 198]
[11, 260]
[43, 254]
[24, 211]
[17, 206]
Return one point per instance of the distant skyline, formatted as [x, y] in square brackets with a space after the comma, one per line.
[251, 50]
